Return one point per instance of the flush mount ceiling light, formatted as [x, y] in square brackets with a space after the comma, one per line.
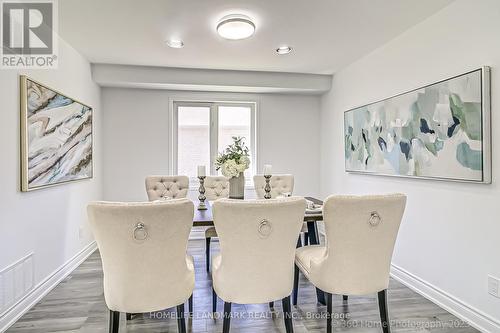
[175, 43]
[283, 50]
[235, 27]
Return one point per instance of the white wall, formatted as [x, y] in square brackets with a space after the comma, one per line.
[136, 137]
[450, 237]
[45, 221]
[199, 79]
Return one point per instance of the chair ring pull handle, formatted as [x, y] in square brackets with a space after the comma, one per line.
[265, 228]
[374, 219]
[140, 232]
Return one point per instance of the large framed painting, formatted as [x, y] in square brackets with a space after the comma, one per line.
[56, 137]
[440, 131]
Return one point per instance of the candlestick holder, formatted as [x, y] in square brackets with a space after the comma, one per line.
[267, 188]
[202, 205]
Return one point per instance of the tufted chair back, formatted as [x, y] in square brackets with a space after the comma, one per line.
[279, 184]
[216, 187]
[145, 269]
[256, 261]
[174, 187]
[361, 233]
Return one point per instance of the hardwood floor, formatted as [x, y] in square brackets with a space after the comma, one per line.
[77, 305]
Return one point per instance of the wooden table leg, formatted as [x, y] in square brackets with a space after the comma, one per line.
[314, 240]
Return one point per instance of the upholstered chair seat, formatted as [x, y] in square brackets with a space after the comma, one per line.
[167, 187]
[143, 251]
[361, 232]
[257, 250]
[305, 255]
[216, 261]
[216, 187]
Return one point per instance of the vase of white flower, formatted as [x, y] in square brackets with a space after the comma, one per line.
[237, 187]
[233, 162]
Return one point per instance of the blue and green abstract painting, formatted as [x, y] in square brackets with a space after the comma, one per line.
[432, 132]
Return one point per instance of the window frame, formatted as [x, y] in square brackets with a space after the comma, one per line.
[213, 105]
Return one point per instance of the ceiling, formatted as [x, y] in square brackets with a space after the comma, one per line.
[326, 35]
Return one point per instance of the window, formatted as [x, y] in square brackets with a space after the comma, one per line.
[193, 138]
[203, 129]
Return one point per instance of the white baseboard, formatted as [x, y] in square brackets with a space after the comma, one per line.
[460, 309]
[44, 287]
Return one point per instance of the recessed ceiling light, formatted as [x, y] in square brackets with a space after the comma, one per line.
[283, 50]
[175, 43]
[235, 27]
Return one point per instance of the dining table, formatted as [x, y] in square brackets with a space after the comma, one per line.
[204, 218]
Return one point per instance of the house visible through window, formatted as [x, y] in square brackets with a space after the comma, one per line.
[202, 130]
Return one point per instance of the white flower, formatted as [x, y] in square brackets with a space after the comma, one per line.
[241, 167]
[230, 169]
[234, 159]
[245, 160]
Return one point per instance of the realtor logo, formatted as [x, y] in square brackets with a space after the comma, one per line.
[28, 34]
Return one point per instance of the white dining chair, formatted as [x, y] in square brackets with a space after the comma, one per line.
[216, 187]
[361, 232]
[143, 252]
[167, 187]
[280, 184]
[257, 248]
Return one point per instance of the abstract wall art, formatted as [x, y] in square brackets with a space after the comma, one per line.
[56, 137]
[440, 131]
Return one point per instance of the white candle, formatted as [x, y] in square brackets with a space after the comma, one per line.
[267, 169]
[201, 171]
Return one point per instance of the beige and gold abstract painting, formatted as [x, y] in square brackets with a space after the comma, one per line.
[440, 131]
[56, 137]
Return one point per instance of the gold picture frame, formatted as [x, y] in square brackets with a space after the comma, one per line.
[57, 137]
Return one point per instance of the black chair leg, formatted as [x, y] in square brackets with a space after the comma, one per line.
[320, 295]
[181, 323]
[114, 321]
[287, 314]
[299, 242]
[227, 317]
[190, 306]
[329, 315]
[345, 297]
[207, 252]
[271, 306]
[214, 302]
[306, 238]
[295, 284]
[384, 314]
